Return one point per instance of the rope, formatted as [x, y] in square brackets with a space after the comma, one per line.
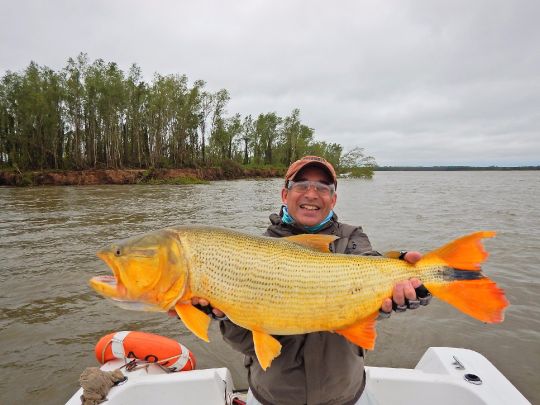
[97, 383]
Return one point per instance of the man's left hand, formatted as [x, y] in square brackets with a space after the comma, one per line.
[404, 294]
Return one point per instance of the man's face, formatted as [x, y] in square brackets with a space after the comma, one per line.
[310, 207]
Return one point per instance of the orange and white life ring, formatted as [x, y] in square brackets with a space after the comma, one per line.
[145, 346]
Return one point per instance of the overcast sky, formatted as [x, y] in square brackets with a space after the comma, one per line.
[413, 82]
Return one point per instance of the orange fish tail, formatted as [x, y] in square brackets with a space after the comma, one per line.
[463, 285]
[465, 253]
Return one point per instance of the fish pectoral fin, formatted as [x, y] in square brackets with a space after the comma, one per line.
[267, 348]
[313, 241]
[362, 333]
[195, 320]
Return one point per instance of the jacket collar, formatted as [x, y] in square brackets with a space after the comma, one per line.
[276, 220]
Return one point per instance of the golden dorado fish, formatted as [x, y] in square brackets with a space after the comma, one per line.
[285, 286]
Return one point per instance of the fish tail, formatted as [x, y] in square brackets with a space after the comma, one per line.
[463, 285]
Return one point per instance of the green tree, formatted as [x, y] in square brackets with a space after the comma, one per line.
[224, 136]
[248, 131]
[329, 151]
[357, 164]
[74, 109]
[205, 109]
[267, 132]
[296, 137]
[14, 152]
[93, 115]
[137, 97]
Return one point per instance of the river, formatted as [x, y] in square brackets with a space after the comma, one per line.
[50, 320]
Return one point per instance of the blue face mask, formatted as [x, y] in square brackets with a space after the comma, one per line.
[286, 218]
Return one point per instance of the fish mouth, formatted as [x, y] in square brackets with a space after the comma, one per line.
[112, 288]
[108, 287]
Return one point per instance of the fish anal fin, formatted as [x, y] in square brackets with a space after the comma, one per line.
[313, 241]
[267, 348]
[465, 253]
[195, 320]
[482, 299]
[362, 333]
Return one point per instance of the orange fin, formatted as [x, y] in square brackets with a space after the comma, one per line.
[362, 333]
[392, 254]
[267, 348]
[482, 299]
[465, 253]
[473, 293]
[195, 320]
[313, 241]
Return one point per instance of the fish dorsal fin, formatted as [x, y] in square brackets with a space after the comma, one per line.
[194, 319]
[362, 333]
[267, 348]
[392, 254]
[313, 241]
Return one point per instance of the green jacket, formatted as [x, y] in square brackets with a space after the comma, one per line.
[314, 368]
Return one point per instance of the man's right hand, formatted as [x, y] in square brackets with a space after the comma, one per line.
[204, 303]
[402, 290]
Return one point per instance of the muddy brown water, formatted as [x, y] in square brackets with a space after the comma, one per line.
[50, 320]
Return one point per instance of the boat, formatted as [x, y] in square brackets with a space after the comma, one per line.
[444, 375]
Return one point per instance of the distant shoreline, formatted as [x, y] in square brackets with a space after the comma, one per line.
[451, 168]
[184, 176]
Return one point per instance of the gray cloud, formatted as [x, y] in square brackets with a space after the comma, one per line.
[413, 82]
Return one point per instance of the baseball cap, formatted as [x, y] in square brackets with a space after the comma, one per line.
[295, 167]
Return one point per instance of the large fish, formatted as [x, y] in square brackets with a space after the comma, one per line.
[286, 286]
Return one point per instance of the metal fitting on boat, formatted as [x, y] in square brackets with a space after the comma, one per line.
[473, 379]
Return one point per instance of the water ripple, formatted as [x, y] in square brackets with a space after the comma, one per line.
[50, 320]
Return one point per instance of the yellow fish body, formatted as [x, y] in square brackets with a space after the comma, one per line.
[286, 286]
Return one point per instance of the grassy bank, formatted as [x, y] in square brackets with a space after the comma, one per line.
[133, 176]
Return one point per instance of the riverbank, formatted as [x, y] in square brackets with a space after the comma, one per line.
[131, 176]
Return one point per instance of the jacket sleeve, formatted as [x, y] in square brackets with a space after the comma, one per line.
[238, 338]
[359, 244]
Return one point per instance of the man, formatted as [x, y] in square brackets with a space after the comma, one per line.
[321, 367]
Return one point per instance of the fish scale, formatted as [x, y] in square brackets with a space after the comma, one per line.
[294, 284]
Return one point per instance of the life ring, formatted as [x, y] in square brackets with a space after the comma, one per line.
[145, 346]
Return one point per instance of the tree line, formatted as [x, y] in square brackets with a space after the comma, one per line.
[94, 115]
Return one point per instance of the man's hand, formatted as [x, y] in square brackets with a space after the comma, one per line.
[201, 303]
[404, 294]
[204, 303]
[402, 290]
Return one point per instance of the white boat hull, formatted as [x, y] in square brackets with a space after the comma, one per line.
[438, 378]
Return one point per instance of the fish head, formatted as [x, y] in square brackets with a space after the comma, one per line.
[149, 272]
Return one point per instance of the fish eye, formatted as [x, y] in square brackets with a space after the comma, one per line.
[117, 252]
